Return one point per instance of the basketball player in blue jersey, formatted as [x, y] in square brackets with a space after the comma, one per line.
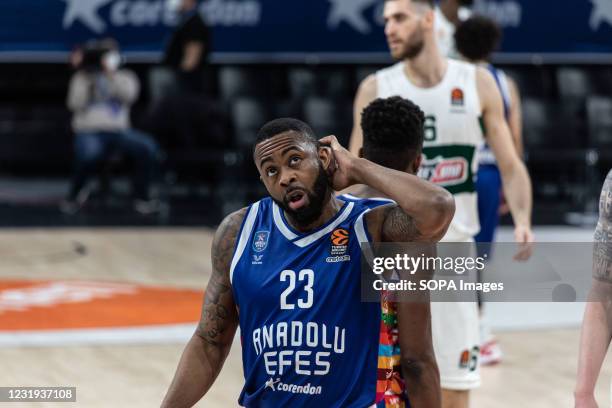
[287, 269]
[476, 39]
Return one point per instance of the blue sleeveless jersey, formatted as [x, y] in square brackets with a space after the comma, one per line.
[307, 339]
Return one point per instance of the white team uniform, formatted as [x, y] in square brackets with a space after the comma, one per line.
[453, 134]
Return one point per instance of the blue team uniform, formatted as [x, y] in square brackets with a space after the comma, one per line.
[307, 339]
[488, 183]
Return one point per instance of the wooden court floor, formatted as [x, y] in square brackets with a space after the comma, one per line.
[538, 370]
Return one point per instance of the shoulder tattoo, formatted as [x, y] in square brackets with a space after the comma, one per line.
[399, 226]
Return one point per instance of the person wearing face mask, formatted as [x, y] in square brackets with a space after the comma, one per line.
[100, 95]
[448, 15]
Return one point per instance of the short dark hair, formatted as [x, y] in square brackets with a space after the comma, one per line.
[392, 132]
[431, 3]
[477, 37]
[282, 125]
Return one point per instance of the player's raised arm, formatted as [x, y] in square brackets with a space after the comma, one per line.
[365, 94]
[423, 211]
[208, 348]
[417, 200]
[596, 327]
[515, 178]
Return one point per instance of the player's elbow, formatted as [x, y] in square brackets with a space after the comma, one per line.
[417, 366]
[442, 208]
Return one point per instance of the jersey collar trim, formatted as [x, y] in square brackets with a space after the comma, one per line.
[312, 237]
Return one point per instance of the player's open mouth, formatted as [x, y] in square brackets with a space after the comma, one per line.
[296, 199]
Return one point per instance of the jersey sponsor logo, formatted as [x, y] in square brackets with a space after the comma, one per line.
[445, 171]
[450, 165]
[457, 97]
[260, 241]
[306, 389]
[335, 259]
[271, 383]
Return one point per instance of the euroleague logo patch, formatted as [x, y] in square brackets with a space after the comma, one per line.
[339, 244]
[457, 98]
[340, 238]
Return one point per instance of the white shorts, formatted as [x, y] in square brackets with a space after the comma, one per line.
[456, 340]
[456, 337]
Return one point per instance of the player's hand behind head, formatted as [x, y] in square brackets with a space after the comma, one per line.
[340, 169]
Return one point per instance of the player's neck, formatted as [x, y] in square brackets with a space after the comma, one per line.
[428, 68]
[330, 209]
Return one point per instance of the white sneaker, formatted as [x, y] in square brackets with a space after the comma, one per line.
[490, 353]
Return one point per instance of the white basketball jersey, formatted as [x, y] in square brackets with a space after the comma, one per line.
[453, 133]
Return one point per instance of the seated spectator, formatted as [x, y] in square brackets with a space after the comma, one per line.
[100, 95]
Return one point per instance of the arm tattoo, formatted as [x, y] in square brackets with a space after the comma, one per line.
[219, 311]
[399, 226]
[602, 252]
